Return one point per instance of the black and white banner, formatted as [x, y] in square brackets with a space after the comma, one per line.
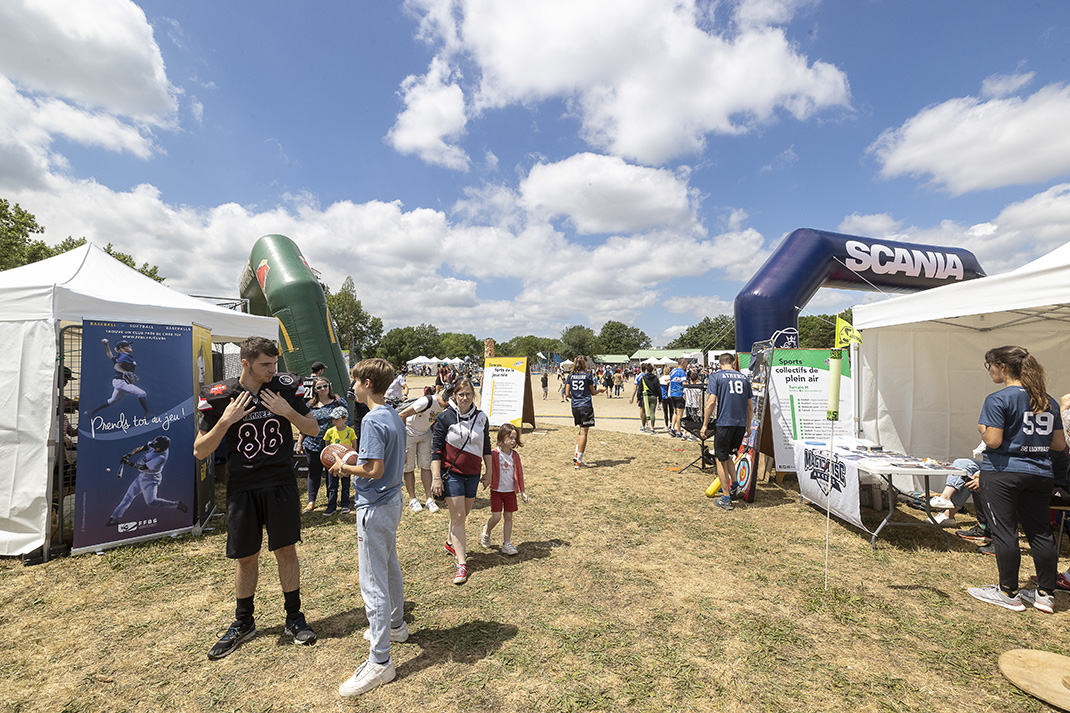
[830, 481]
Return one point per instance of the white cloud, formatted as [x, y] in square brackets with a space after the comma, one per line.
[603, 194]
[756, 13]
[91, 73]
[1002, 85]
[966, 144]
[1020, 233]
[97, 55]
[670, 333]
[698, 305]
[434, 116]
[409, 266]
[879, 225]
[647, 79]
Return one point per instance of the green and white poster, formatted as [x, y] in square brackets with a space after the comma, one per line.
[798, 401]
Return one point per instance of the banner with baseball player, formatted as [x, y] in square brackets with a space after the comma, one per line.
[135, 477]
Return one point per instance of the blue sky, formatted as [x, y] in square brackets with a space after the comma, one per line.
[507, 168]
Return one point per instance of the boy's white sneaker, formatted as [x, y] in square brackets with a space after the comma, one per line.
[509, 548]
[414, 505]
[432, 506]
[399, 635]
[370, 675]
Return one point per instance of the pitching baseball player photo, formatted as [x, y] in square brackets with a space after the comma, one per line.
[124, 380]
[146, 483]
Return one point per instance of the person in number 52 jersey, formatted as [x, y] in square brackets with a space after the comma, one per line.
[1020, 425]
[254, 414]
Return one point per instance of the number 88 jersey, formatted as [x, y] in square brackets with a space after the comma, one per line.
[260, 446]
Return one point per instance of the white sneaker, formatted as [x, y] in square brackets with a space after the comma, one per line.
[509, 548]
[1045, 603]
[941, 503]
[484, 540]
[994, 595]
[432, 506]
[399, 635]
[414, 505]
[370, 675]
[944, 520]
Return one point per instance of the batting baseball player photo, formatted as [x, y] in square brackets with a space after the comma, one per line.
[124, 380]
[149, 475]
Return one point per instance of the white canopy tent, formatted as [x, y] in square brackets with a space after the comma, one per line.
[35, 300]
[421, 360]
[922, 355]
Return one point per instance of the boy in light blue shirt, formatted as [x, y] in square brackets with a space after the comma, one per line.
[377, 480]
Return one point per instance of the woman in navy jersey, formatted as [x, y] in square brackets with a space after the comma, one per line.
[1019, 425]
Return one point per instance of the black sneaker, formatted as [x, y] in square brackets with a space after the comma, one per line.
[182, 507]
[975, 534]
[236, 635]
[989, 549]
[300, 631]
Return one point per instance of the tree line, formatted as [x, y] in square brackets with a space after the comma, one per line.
[362, 333]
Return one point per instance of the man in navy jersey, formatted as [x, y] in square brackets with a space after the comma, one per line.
[731, 393]
[254, 414]
[580, 386]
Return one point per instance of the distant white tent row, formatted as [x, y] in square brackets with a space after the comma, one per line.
[422, 360]
[654, 361]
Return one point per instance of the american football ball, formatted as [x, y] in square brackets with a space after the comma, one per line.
[337, 450]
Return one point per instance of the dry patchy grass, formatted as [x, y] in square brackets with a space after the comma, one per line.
[631, 592]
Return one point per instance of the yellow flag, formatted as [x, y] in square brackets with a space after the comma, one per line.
[845, 333]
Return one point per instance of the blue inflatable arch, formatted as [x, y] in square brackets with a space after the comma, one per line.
[808, 260]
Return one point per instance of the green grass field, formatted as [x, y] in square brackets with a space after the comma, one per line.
[631, 592]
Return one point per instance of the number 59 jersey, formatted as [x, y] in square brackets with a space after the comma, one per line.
[259, 447]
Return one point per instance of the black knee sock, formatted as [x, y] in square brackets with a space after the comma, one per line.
[292, 602]
[243, 612]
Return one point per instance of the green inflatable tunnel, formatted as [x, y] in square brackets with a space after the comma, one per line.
[278, 283]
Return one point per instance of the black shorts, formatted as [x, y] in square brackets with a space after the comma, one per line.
[677, 402]
[583, 415]
[726, 441]
[278, 508]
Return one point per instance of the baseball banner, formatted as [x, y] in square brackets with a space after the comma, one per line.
[135, 436]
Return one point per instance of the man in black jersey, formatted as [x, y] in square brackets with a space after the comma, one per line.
[254, 414]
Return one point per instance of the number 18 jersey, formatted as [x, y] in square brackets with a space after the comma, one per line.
[733, 391]
[259, 447]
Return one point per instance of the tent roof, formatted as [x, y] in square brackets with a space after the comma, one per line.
[87, 283]
[1037, 291]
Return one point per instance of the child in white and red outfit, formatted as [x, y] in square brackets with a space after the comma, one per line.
[506, 480]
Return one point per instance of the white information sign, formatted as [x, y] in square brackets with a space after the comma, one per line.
[504, 383]
[798, 401]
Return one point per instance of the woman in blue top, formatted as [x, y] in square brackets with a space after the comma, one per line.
[322, 403]
[1019, 425]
